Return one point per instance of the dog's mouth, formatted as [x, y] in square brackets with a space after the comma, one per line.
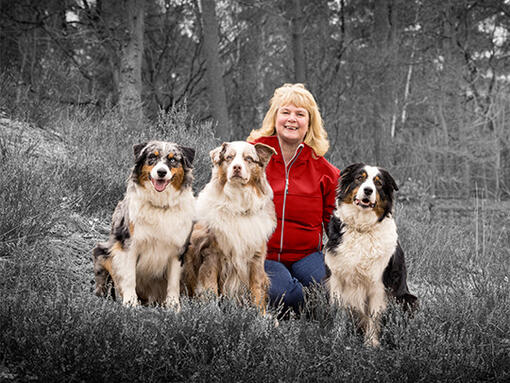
[236, 177]
[364, 203]
[159, 184]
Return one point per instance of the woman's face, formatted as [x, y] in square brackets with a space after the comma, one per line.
[292, 124]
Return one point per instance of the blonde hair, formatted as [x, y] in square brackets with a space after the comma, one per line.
[316, 137]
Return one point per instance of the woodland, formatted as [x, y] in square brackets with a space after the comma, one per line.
[418, 86]
[421, 87]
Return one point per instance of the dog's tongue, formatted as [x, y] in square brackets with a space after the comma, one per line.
[159, 185]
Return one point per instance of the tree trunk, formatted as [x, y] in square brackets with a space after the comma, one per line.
[131, 54]
[214, 71]
[298, 50]
[383, 96]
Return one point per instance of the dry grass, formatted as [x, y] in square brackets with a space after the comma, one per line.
[54, 329]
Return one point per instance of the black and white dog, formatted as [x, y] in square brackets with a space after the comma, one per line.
[363, 255]
[150, 227]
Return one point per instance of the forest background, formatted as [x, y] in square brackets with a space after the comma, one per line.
[421, 87]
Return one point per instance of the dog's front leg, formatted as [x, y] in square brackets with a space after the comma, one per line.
[124, 267]
[259, 282]
[173, 275]
[376, 305]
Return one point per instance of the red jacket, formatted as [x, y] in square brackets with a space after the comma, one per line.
[307, 205]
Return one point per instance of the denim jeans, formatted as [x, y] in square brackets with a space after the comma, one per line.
[287, 283]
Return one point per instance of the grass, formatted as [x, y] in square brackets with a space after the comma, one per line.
[53, 328]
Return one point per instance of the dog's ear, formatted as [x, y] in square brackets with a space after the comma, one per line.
[137, 149]
[188, 155]
[217, 155]
[388, 179]
[264, 152]
[351, 169]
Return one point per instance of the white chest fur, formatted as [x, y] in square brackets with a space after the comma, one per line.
[160, 232]
[242, 224]
[362, 256]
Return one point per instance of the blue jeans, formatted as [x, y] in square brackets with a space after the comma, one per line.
[286, 284]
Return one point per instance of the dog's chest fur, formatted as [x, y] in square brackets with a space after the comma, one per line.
[160, 232]
[242, 224]
[363, 252]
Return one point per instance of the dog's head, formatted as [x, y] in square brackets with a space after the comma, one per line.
[159, 163]
[240, 163]
[368, 188]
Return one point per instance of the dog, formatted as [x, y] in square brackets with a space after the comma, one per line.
[235, 218]
[150, 228]
[363, 255]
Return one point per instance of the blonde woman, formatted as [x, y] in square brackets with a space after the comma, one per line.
[304, 185]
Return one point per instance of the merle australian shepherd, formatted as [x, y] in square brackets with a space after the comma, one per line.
[150, 228]
[363, 255]
[236, 217]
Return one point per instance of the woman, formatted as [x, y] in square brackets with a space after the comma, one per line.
[304, 185]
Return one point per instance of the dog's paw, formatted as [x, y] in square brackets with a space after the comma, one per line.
[173, 303]
[372, 341]
[130, 300]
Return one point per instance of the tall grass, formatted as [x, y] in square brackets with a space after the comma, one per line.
[53, 328]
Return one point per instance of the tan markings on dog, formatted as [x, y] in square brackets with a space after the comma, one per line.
[222, 176]
[170, 156]
[254, 182]
[131, 228]
[201, 262]
[178, 177]
[349, 198]
[144, 174]
[117, 246]
[259, 282]
[380, 206]
[107, 264]
[156, 153]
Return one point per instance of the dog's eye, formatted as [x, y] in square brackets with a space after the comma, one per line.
[151, 157]
[360, 178]
[377, 182]
[248, 159]
[229, 157]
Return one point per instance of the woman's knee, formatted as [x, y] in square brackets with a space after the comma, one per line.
[284, 288]
[310, 269]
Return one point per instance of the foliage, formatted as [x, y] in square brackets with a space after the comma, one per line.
[53, 328]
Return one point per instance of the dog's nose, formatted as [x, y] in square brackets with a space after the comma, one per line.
[161, 172]
[237, 168]
[368, 191]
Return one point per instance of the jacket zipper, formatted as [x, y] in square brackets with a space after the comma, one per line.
[287, 171]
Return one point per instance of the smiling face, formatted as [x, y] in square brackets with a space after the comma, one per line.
[240, 163]
[158, 164]
[369, 188]
[292, 124]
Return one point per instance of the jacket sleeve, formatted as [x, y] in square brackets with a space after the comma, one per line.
[329, 196]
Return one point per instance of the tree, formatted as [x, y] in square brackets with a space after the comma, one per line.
[131, 55]
[297, 29]
[214, 72]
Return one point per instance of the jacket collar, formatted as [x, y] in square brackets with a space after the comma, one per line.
[306, 152]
